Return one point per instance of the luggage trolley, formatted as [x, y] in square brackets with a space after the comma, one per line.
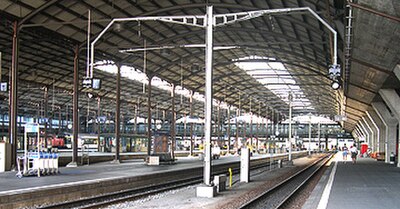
[31, 161]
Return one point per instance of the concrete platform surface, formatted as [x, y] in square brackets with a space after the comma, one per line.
[366, 184]
[101, 171]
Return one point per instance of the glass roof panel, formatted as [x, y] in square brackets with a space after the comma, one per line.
[274, 76]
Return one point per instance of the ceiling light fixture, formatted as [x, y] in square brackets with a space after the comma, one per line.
[335, 85]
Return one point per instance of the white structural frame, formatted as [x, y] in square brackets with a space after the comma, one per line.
[360, 132]
[378, 137]
[208, 21]
[309, 134]
[290, 128]
[366, 133]
[218, 20]
[372, 138]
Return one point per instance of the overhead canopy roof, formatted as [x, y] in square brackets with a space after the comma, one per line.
[50, 31]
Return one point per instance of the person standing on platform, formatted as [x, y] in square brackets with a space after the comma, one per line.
[354, 152]
[345, 152]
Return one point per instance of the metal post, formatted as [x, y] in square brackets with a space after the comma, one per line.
[277, 131]
[173, 120]
[229, 129]
[123, 123]
[219, 124]
[163, 117]
[59, 121]
[251, 129]
[191, 124]
[135, 119]
[290, 129]
[258, 127]
[237, 128]
[273, 129]
[13, 130]
[184, 127]
[87, 115]
[309, 135]
[266, 129]
[149, 117]
[319, 136]
[66, 117]
[46, 115]
[118, 114]
[208, 96]
[75, 122]
[98, 123]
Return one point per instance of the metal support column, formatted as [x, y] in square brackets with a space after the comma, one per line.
[237, 129]
[191, 124]
[266, 130]
[136, 116]
[290, 129]
[173, 120]
[13, 130]
[75, 117]
[319, 137]
[66, 117]
[208, 95]
[46, 114]
[229, 129]
[219, 125]
[59, 121]
[251, 129]
[258, 127]
[273, 129]
[118, 114]
[98, 123]
[309, 134]
[149, 117]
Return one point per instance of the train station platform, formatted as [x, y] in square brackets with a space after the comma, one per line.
[98, 171]
[365, 184]
[103, 171]
[80, 181]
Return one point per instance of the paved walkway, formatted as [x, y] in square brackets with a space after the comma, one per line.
[366, 184]
[106, 170]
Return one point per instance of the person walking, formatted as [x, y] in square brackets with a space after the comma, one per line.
[345, 152]
[354, 152]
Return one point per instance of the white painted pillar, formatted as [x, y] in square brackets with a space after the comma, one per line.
[392, 100]
[390, 123]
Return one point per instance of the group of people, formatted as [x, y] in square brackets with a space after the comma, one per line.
[353, 150]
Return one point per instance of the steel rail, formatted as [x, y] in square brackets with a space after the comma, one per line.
[142, 191]
[317, 165]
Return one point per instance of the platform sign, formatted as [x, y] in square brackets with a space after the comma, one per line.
[32, 128]
[3, 86]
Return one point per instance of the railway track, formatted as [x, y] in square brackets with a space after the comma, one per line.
[143, 191]
[115, 198]
[280, 196]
